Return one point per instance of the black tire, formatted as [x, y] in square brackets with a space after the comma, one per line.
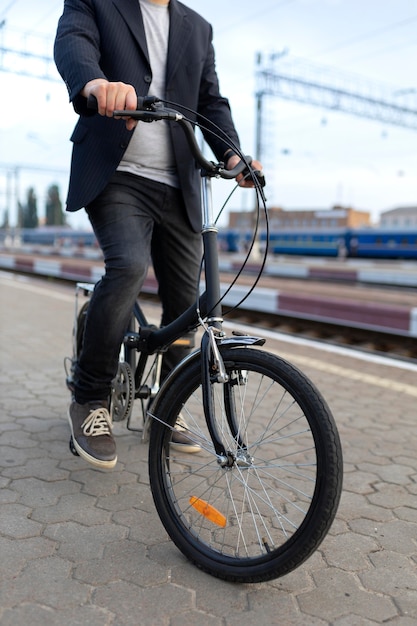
[260, 518]
[78, 338]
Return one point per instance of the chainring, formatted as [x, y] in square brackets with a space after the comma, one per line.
[123, 393]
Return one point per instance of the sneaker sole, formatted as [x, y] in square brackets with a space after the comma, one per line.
[87, 457]
[188, 448]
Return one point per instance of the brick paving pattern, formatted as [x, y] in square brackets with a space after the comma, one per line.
[83, 547]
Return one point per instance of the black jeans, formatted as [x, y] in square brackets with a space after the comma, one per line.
[135, 220]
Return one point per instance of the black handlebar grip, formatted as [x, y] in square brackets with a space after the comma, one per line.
[144, 103]
[92, 103]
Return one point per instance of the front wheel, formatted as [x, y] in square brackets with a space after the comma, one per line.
[262, 513]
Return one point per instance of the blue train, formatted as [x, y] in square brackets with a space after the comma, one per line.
[56, 236]
[342, 242]
[370, 243]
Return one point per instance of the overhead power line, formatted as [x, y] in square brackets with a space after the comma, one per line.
[253, 16]
[367, 36]
[7, 9]
[316, 85]
[19, 55]
[51, 11]
[298, 80]
[23, 63]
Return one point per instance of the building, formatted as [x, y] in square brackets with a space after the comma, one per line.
[404, 218]
[304, 219]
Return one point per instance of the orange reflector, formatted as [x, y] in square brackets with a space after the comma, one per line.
[208, 511]
[183, 342]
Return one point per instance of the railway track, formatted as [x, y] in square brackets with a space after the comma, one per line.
[370, 341]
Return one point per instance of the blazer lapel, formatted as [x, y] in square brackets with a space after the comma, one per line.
[130, 11]
[180, 30]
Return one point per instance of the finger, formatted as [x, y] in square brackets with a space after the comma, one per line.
[120, 97]
[115, 99]
[131, 99]
[100, 93]
[131, 123]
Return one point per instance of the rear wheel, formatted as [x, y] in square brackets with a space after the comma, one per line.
[259, 515]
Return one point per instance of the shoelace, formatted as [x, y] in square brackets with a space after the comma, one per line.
[180, 423]
[98, 422]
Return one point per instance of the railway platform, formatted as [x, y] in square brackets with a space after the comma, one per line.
[80, 546]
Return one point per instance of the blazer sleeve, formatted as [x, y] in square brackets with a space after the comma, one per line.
[77, 50]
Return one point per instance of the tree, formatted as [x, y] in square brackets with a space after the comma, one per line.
[30, 210]
[54, 213]
[5, 223]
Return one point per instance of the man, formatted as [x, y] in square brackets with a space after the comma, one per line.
[138, 183]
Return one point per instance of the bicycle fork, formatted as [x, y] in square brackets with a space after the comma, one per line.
[212, 366]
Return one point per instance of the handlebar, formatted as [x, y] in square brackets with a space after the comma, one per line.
[150, 109]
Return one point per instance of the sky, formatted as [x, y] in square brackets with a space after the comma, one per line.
[313, 158]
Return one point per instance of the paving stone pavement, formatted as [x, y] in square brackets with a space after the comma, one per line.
[84, 547]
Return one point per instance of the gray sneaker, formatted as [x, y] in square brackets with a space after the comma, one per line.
[91, 430]
[182, 438]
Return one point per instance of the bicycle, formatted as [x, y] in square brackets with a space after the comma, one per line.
[262, 492]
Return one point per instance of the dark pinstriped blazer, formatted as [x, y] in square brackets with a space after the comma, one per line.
[106, 38]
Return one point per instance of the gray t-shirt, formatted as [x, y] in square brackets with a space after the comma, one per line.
[150, 153]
